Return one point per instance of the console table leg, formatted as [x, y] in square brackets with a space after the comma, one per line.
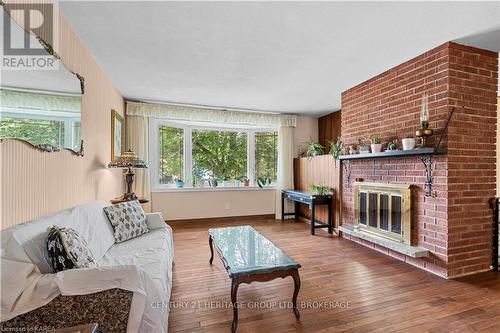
[330, 222]
[282, 207]
[234, 291]
[211, 249]
[296, 281]
[312, 219]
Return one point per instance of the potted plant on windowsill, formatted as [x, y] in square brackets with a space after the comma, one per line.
[179, 183]
[376, 144]
[244, 180]
[263, 181]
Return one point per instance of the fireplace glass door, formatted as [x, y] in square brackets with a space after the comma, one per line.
[383, 211]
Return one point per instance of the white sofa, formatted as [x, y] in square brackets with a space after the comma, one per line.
[141, 266]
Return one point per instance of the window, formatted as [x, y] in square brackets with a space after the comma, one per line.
[171, 160]
[37, 131]
[266, 155]
[59, 132]
[222, 154]
[210, 157]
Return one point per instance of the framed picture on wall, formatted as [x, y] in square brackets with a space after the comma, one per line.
[117, 135]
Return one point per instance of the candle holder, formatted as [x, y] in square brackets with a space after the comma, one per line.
[424, 132]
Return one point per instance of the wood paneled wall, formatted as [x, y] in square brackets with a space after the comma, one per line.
[320, 170]
[329, 128]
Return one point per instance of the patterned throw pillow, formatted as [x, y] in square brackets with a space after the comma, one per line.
[128, 220]
[67, 249]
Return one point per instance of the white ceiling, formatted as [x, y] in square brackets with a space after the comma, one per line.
[294, 57]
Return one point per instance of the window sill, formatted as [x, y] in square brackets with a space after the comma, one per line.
[213, 189]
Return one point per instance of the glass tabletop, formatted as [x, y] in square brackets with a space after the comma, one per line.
[244, 250]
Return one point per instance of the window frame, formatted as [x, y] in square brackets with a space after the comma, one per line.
[154, 150]
[66, 117]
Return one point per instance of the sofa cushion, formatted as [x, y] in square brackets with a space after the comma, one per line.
[67, 249]
[88, 220]
[152, 253]
[128, 220]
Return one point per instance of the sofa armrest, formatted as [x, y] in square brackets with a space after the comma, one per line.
[155, 221]
[109, 308]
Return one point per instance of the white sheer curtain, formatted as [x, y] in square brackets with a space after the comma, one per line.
[39, 101]
[137, 140]
[285, 167]
[209, 115]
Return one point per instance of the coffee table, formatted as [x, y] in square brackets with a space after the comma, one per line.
[247, 257]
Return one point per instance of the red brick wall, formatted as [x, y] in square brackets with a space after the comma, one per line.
[454, 224]
[473, 80]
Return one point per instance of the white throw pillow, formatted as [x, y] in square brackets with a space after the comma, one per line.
[127, 219]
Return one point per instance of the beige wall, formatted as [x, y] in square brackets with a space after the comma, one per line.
[208, 203]
[35, 183]
[218, 202]
[307, 129]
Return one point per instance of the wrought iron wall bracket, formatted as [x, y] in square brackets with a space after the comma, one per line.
[427, 161]
[347, 173]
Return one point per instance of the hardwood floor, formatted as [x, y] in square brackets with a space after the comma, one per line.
[362, 290]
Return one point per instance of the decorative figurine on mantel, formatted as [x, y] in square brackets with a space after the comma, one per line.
[424, 132]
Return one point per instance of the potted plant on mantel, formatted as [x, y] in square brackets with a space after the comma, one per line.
[336, 148]
[376, 144]
[393, 145]
[363, 147]
[408, 142]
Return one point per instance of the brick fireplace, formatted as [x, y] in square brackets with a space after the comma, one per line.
[454, 224]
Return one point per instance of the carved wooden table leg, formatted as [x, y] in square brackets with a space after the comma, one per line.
[296, 280]
[211, 250]
[234, 292]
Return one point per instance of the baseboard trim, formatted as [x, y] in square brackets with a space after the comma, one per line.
[224, 218]
[469, 274]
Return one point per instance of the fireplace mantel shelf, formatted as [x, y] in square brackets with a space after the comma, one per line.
[425, 155]
[411, 251]
[394, 153]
